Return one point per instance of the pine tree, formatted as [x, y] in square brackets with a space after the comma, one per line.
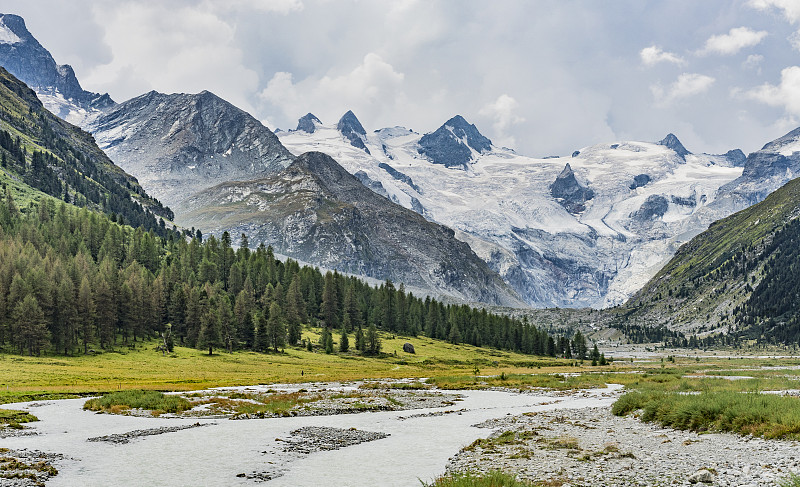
[330, 302]
[210, 329]
[344, 343]
[360, 340]
[32, 327]
[373, 342]
[276, 329]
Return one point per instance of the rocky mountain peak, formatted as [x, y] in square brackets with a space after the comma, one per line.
[23, 56]
[352, 129]
[308, 123]
[450, 144]
[672, 142]
[182, 143]
[569, 192]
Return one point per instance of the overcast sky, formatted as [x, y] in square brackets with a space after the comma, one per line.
[541, 77]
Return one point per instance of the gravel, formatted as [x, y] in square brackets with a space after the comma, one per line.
[591, 447]
[26, 468]
[122, 438]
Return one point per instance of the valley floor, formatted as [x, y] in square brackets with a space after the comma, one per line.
[542, 420]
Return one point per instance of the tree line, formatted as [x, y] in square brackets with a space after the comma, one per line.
[72, 280]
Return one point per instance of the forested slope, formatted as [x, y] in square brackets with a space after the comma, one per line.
[72, 280]
[48, 154]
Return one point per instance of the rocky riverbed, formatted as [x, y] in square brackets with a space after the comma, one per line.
[26, 468]
[590, 447]
[121, 438]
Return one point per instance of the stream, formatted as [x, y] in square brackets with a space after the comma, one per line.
[417, 448]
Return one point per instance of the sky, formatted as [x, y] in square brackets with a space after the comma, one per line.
[543, 77]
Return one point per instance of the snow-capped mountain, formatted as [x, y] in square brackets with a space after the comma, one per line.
[55, 85]
[586, 230]
[179, 144]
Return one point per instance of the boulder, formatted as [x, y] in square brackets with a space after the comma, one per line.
[703, 476]
[408, 348]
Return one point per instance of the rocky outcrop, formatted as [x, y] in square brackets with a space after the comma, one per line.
[640, 180]
[736, 157]
[408, 348]
[399, 176]
[177, 145]
[352, 130]
[452, 143]
[672, 142]
[308, 123]
[317, 212]
[569, 193]
[655, 206]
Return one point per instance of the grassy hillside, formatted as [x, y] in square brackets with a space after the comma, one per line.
[39, 151]
[710, 280]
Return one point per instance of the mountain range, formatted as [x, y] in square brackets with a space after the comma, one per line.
[587, 229]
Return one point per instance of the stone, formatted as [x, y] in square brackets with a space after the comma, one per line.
[408, 348]
[703, 476]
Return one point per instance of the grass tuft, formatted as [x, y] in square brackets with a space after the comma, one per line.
[469, 479]
[119, 402]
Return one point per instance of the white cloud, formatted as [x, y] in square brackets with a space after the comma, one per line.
[791, 8]
[734, 41]
[687, 85]
[753, 61]
[502, 112]
[277, 6]
[184, 49]
[371, 87]
[794, 40]
[653, 55]
[785, 95]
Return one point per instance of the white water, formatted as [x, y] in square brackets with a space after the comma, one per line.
[418, 448]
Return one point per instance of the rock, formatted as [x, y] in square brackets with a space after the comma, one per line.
[655, 206]
[569, 193]
[639, 180]
[351, 128]
[672, 142]
[408, 348]
[450, 144]
[308, 123]
[736, 157]
[703, 476]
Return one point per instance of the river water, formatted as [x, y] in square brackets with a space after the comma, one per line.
[417, 449]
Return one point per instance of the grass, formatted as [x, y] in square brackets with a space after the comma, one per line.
[468, 479]
[749, 413]
[31, 378]
[790, 481]
[14, 418]
[156, 402]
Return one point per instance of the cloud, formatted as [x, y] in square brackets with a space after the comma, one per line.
[785, 95]
[653, 55]
[183, 49]
[371, 87]
[687, 85]
[753, 62]
[791, 8]
[734, 41]
[276, 6]
[502, 112]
